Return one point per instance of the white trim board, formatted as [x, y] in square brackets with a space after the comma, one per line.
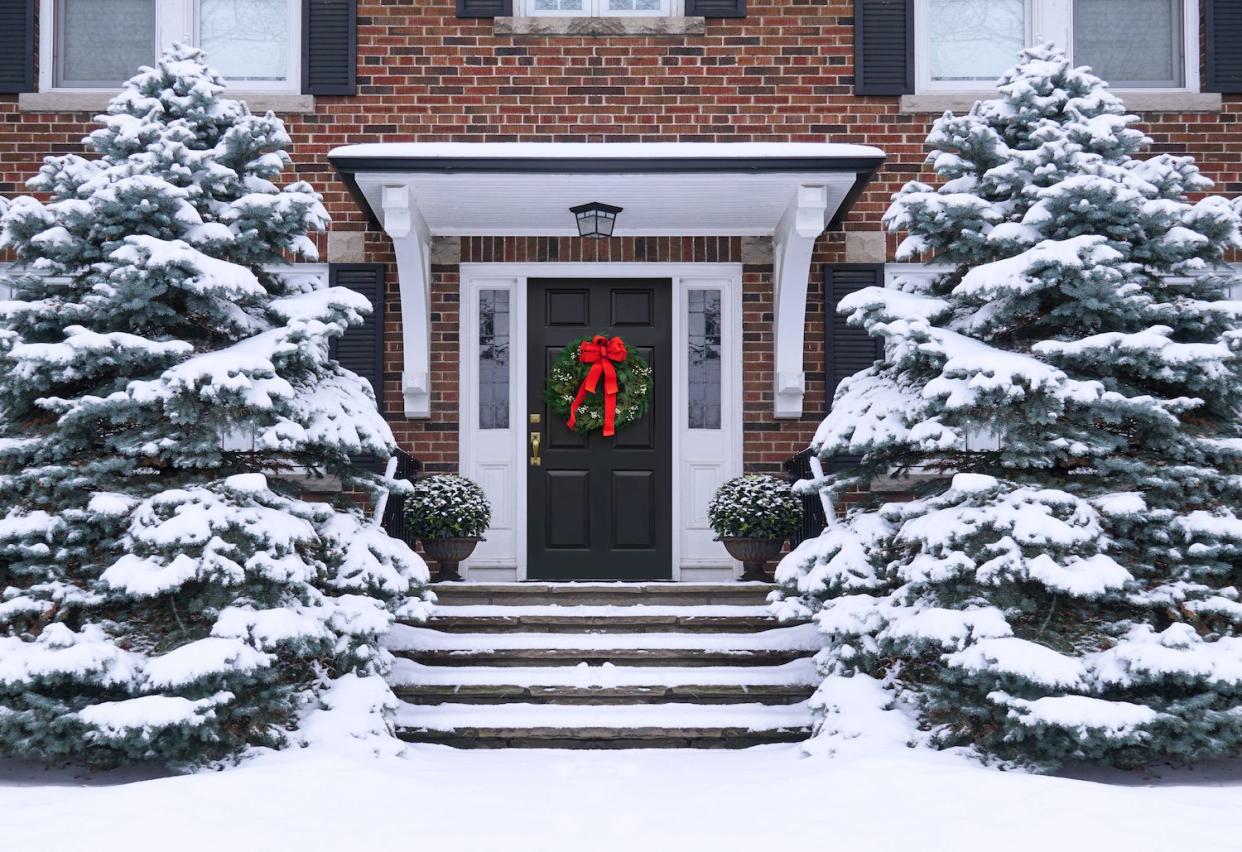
[702, 459]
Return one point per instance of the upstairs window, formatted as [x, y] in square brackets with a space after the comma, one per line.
[98, 44]
[601, 8]
[964, 45]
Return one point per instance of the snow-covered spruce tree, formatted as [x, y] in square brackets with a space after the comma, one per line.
[1074, 593]
[165, 594]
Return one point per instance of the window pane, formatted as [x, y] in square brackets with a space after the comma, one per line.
[101, 42]
[704, 361]
[558, 5]
[1130, 42]
[635, 5]
[246, 40]
[974, 41]
[494, 359]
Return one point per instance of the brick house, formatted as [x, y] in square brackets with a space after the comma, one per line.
[751, 145]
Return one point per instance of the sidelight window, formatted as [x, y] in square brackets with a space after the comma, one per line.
[704, 365]
[494, 353]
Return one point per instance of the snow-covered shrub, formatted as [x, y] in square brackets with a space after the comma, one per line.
[447, 506]
[165, 594]
[1073, 593]
[754, 506]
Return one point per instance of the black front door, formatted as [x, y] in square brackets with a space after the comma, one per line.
[600, 508]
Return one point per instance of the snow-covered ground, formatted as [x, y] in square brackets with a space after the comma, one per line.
[862, 790]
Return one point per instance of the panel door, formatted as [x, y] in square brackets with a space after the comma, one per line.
[600, 508]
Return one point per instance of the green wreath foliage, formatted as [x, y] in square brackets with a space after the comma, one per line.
[634, 378]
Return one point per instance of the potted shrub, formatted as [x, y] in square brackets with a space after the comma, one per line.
[448, 514]
[753, 516]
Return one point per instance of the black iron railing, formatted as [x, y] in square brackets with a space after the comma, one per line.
[813, 520]
[393, 521]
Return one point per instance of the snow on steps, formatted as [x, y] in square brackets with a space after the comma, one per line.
[604, 665]
[764, 647]
[610, 618]
[790, 683]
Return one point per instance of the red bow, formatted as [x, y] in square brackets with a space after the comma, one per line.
[601, 353]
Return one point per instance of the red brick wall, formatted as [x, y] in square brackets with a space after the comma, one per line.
[782, 74]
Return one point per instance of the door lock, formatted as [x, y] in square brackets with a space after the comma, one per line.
[535, 439]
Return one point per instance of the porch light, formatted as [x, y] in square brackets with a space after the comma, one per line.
[596, 220]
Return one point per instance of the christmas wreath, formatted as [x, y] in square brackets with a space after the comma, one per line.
[598, 384]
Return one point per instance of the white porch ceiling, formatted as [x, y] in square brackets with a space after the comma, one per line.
[523, 205]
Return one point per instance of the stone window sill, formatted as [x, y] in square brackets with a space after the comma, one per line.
[286, 102]
[937, 102]
[618, 25]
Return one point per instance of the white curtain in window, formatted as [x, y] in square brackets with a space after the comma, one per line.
[246, 40]
[101, 42]
[635, 5]
[1130, 42]
[975, 40]
[558, 5]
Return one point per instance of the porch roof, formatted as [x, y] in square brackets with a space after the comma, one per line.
[666, 188]
[792, 192]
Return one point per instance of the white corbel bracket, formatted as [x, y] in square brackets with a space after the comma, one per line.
[411, 242]
[804, 221]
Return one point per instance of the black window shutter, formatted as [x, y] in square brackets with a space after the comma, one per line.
[329, 47]
[361, 348]
[716, 8]
[883, 47]
[17, 46]
[1222, 28]
[484, 8]
[849, 349]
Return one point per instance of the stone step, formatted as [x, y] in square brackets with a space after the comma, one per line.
[604, 695]
[581, 726]
[670, 657]
[799, 672]
[765, 647]
[605, 738]
[637, 618]
[603, 594]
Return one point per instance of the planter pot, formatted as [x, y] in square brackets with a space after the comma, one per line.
[448, 553]
[753, 553]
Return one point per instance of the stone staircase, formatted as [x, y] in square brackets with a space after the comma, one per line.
[604, 665]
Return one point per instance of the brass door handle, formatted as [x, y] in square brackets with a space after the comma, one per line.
[535, 439]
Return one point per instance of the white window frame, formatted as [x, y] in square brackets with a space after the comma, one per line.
[1053, 20]
[599, 9]
[175, 21]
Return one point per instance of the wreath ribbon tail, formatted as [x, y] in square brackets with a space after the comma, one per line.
[611, 388]
[589, 384]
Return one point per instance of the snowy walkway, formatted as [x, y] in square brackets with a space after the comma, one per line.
[440, 799]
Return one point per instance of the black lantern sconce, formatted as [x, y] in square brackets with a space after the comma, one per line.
[596, 220]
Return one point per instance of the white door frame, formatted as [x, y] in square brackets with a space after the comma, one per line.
[504, 554]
